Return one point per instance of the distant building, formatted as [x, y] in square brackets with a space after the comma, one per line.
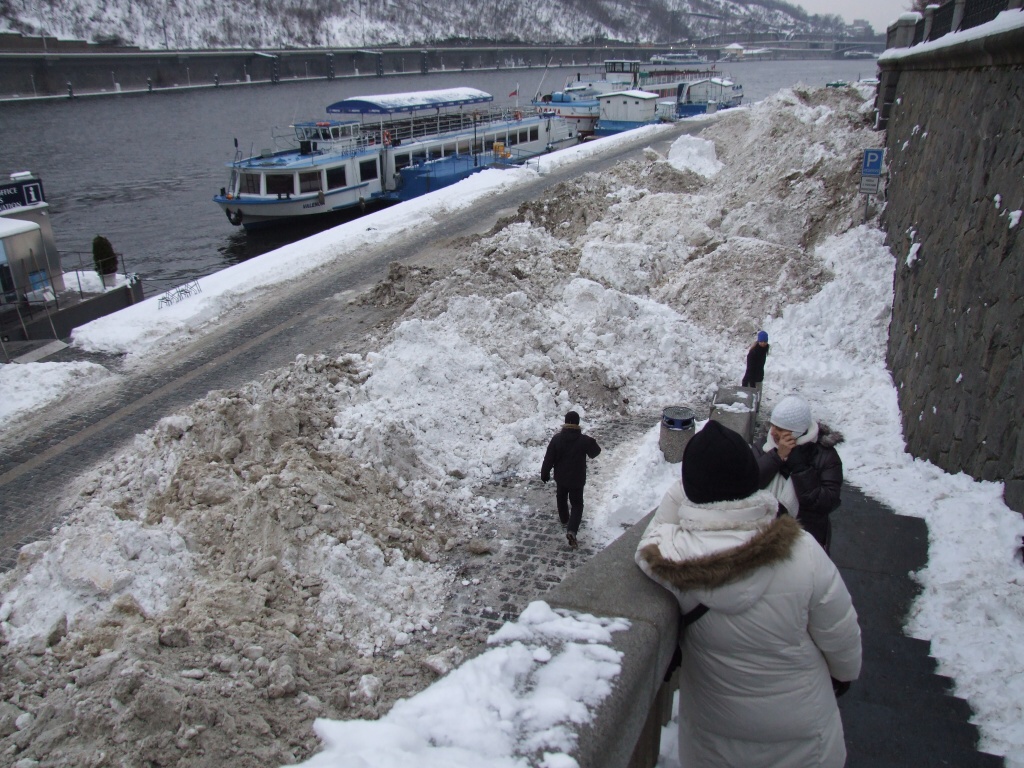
[860, 28]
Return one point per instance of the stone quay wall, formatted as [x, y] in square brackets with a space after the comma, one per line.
[955, 155]
[80, 73]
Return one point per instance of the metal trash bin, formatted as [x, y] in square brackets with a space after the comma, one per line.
[735, 408]
[678, 424]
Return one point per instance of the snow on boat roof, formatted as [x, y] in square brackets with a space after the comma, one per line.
[11, 227]
[410, 102]
[632, 94]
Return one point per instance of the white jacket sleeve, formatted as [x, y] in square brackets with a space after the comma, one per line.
[663, 526]
[660, 532]
[832, 621]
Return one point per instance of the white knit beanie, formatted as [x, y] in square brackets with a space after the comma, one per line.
[792, 413]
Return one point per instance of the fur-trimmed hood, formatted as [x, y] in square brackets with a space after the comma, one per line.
[768, 546]
[718, 554]
[828, 437]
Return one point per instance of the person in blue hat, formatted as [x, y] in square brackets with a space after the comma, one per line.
[756, 357]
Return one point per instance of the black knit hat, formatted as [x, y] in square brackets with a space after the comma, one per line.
[572, 418]
[718, 465]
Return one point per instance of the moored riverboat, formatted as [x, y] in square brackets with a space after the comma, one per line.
[668, 78]
[384, 148]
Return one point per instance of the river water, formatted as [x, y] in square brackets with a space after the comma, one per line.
[142, 169]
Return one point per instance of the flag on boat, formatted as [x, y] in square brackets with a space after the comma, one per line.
[515, 92]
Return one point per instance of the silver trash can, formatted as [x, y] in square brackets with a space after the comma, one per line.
[678, 424]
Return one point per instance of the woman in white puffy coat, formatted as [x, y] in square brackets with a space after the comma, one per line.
[756, 676]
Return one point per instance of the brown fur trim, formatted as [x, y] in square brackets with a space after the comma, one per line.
[772, 545]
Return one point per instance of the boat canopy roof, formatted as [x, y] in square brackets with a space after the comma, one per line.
[644, 95]
[412, 101]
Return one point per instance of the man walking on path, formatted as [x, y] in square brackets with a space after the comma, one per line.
[567, 454]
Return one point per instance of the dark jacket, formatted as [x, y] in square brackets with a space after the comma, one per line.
[567, 454]
[817, 474]
[756, 357]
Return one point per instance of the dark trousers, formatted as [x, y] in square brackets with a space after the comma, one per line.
[566, 499]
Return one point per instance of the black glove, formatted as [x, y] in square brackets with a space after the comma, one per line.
[800, 458]
[545, 478]
[839, 687]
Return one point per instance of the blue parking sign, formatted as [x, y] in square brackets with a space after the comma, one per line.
[872, 165]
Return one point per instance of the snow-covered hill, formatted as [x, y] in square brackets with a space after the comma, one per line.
[312, 23]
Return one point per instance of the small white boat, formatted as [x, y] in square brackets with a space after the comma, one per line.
[679, 59]
[388, 148]
[578, 101]
[707, 94]
[626, 110]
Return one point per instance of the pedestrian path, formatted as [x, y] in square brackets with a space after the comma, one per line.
[900, 713]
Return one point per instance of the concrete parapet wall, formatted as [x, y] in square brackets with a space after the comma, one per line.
[626, 728]
[955, 149]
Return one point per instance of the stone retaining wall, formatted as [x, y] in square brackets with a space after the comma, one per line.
[955, 152]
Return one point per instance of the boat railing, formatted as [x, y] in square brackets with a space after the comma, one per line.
[394, 131]
[286, 140]
[677, 76]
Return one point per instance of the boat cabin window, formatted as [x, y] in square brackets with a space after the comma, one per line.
[534, 133]
[309, 181]
[401, 161]
[464, 147]
[419, 157]
[368, 170]
[478, 146]
[524, 136]
[280, 184]
[336, 177]
[447, 149]
[513, 138]
[249, 184]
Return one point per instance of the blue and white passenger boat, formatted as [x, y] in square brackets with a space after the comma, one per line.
[386, 148]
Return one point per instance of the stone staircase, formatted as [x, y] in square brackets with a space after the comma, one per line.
[900, 713]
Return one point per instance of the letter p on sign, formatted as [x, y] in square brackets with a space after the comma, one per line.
[872, 165]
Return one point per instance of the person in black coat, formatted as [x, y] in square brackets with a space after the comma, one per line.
[567, 455]
[756, 357]
[801, 467]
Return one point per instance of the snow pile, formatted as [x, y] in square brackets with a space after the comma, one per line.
[692, 153]
[225, 555]
[519, 699]
[28, 388]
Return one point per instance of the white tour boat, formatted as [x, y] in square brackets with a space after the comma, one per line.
[386, 148]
